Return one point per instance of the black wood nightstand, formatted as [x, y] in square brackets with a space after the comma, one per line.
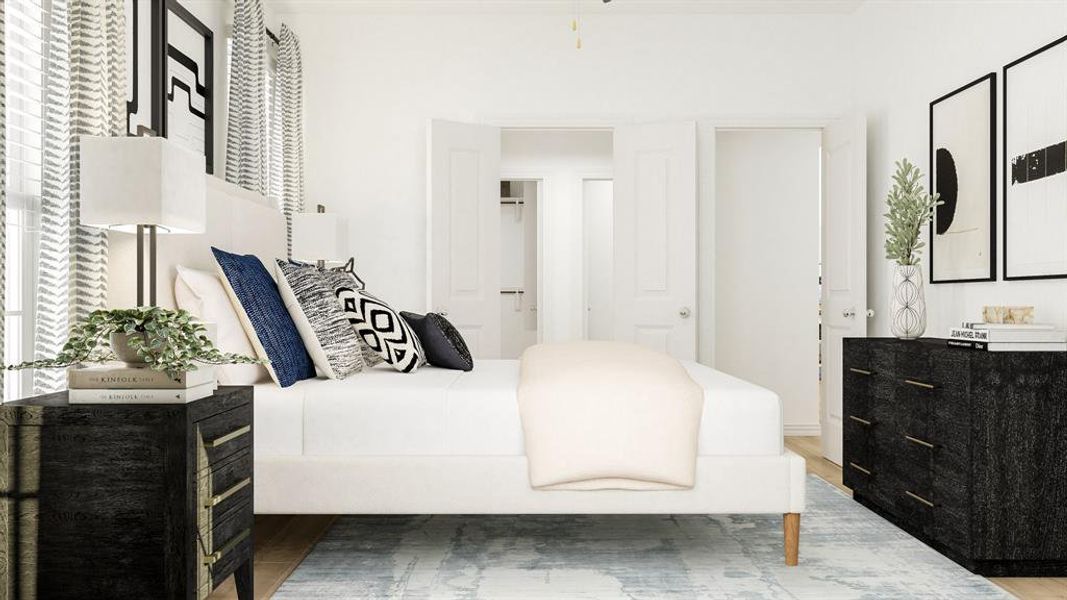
[125, 501]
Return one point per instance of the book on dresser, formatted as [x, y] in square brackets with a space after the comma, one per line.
[1008, 338]
[141, 396]
[120, 376]
[966, 451]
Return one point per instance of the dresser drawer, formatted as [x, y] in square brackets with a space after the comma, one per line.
[221, 549]
[221, 489]
[222, 435]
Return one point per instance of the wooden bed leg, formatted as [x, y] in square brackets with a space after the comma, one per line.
[792, 539]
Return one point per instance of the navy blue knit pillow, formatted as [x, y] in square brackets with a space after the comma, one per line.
[265, 318]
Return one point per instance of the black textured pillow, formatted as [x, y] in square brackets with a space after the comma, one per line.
[443, 345]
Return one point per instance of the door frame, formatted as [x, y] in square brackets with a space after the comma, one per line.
[706, 281]
[602, 175]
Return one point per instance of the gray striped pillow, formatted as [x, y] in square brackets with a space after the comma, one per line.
[323, 326]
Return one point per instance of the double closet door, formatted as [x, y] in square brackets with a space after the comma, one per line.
[654, 229]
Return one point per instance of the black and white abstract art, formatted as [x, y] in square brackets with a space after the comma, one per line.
[187, 89]
[1035, 164]
[963, 171]
[142, 37]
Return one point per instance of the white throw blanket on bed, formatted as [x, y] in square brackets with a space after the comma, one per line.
[605, 415]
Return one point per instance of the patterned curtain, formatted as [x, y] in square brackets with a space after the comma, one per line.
[290, 87]
[85, 96]
[246, 133]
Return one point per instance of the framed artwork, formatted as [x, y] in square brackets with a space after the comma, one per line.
[188, 98]
[963, 130]
[1035, 164]
[144, 34]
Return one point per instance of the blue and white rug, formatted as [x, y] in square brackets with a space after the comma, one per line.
[846, 551]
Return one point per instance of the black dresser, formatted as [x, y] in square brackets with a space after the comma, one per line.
[966, 450]
[125, 501]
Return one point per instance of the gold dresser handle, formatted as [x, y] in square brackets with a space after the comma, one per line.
[919, 498]
[860, 421]
[216, 500]
[216, 556]
[916, 440]
[229, 437]
[860, 371]
[927, 386]
[859, 468]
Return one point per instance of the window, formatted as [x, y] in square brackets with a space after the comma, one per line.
[272, 118]
[26, 26]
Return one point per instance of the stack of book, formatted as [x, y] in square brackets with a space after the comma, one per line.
[995, 337]
[120, 383]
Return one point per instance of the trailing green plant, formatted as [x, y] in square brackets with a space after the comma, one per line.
[166, 340]
[910, 209]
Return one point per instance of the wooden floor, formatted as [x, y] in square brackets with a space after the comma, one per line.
[282, 541]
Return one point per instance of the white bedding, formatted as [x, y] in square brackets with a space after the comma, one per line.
[438, 412]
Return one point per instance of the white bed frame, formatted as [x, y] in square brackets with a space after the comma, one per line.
[242, 221]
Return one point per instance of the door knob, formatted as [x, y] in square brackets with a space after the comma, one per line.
[870, 313]
[684, 312]
[848, 313]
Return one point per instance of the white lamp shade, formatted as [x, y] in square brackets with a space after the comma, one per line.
[320, 236]
[130, 181]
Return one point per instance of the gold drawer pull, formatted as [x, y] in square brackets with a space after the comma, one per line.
[216, 500]
[916, 440]
[919, 498]
[860, 421]
[216, 556]
[860, 371]
[229, 437]
[859, 468]
[927, 386]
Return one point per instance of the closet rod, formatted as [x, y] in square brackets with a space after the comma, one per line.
[512, 292]
[519, 202]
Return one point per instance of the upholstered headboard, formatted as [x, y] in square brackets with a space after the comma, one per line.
[237, 220]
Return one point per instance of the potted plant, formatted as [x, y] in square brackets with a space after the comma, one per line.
[151, 337]
[910, 210]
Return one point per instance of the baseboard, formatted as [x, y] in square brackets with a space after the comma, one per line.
[803, 430]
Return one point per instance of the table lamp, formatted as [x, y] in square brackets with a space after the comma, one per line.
[320, 236]
[142, 185]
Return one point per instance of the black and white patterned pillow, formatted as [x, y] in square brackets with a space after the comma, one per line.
[381, 327]
[323, 326]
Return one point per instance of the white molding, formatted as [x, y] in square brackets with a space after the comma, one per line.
[590, 8]
[803, 430]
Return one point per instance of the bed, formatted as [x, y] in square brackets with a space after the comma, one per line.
[440, 441]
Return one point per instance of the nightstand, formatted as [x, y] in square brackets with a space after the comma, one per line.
[125, 501]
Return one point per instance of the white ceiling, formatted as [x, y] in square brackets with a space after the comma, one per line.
[588, 7]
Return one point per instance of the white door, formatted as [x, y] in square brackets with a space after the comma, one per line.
[599, 258]
[844, 263]
[655, 237]
[463, 190]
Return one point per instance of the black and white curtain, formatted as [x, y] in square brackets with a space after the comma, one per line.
[246, 133]
[86, 74]
[290, 90]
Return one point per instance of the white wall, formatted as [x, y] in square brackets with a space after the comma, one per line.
[560, 159]
[373, 80]
[767, 265]
[912, 53]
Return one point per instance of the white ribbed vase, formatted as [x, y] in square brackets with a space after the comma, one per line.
[907, 307]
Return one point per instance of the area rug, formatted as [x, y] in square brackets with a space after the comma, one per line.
[846, 552]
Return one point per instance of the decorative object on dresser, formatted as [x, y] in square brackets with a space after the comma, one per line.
[963, 158]
[143, 185]
[1036, 337]
[964, 450]
[161, 350]
[1014, 315]
[910, 209]
[1035, 164]
[135, 501]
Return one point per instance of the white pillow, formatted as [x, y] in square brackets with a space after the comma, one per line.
[202, 295]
